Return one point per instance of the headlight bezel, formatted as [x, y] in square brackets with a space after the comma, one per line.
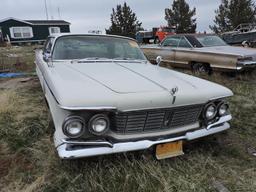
[205, 111]
[70, 120]
[219, 108]
[98, 117]
[217, 115]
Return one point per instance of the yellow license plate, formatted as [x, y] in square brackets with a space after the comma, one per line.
[168, 150]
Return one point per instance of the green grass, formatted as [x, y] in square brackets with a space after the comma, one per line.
[28, 161]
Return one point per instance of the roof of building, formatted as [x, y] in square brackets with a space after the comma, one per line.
[38, 22]
[48, 22]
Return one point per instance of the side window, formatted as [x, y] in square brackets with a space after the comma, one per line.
[184, 43]
[171, 42]
[48, 45]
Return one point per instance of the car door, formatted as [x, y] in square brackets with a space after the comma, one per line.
[183, 53]
[168, 49]
[42, 65]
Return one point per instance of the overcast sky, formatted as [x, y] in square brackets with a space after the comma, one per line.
[87, 15]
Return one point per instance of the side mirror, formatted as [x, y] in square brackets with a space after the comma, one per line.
[159, 60]
[47, 57]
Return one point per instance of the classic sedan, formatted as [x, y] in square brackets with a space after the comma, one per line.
[201, 53]
[105, 97]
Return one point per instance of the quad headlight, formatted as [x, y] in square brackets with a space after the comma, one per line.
[73, 126]
[215, 110]
[210, 111]
[223, 109]
[99, 124]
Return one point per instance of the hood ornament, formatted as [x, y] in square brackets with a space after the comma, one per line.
[173, 93]
[174, 90]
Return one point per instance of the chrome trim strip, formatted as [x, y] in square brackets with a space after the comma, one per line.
[108, 108]
[220, 121]
[138, 145]
[87, 143]
[101, 108]
[221, 97]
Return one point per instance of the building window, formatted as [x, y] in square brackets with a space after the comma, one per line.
[54, 30]
[21, 32]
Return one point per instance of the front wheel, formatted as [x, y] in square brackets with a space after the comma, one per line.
[245, 44]
[201, 68]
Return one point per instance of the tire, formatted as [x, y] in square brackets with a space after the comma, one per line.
[156, 41]
[201, 68]
[245, 44]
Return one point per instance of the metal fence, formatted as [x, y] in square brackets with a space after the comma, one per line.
[11, 63]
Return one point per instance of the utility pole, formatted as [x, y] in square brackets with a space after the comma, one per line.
[46, 10]
[59, 13]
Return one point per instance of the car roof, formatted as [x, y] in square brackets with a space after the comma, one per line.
[192, 35]
[88, 34]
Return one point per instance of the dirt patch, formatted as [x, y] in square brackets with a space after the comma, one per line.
[16, 83]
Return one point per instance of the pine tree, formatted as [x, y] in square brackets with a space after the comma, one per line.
[241, 11]
[231, 13]
[221, 18]
[181, 16]
[123, 22]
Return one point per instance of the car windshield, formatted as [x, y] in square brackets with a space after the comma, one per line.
[211, 41]
[96, 47]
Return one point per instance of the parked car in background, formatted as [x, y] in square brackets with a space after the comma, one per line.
[105, 97]
[202, 53]
[244, 34]
[156, 34]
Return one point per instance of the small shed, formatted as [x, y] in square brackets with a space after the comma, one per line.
[30, 31]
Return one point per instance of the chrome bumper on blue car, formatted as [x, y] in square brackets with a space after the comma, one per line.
[103, 148]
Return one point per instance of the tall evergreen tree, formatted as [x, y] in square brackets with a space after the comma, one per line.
[181, 16]
[231, 13]
[221, 18]
[241, 11]
[123, 22]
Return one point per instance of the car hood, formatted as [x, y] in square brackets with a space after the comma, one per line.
[229, 50]
[128, 86]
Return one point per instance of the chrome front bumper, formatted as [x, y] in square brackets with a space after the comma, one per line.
[102, 148]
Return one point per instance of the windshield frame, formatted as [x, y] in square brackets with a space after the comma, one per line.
[143, 59]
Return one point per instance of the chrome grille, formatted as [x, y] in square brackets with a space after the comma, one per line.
[156, 120]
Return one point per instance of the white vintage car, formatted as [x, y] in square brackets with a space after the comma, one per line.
[105, 97]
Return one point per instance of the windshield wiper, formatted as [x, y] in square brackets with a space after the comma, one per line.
[129, 59]
[90, 59]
